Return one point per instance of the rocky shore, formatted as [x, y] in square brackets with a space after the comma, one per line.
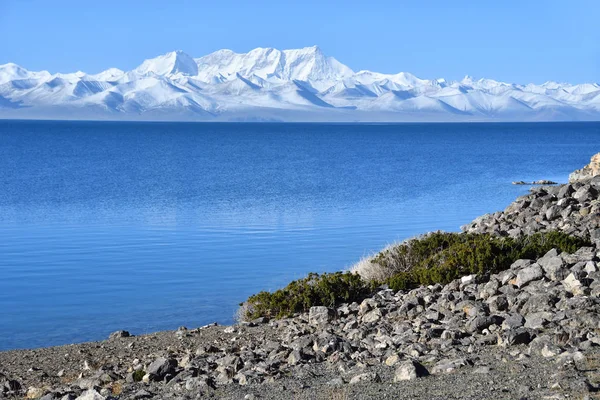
[529, 332]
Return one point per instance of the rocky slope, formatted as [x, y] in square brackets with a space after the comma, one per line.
[532, 331]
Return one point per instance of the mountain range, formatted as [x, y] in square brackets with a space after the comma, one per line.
[267, 84]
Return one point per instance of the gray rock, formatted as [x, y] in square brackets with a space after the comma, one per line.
[367, 377]
[295, 357]
[513, 321]
[50, 396]
[409, 370]
[573, 285]
[528, 274]
[118, 335]
[565, 191]
[197, 384]
[514, 337]
[553, 267]
[320, 315]
[478, 324]
[447, 366]
[537, 320]
[12, 386]
[161, 367]
[553, 213]
[498, 303]
[372, 316]
[91, 395]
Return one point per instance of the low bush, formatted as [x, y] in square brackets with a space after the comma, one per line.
[138, 375]
[439, 257]
[326, 289]
[443, 257]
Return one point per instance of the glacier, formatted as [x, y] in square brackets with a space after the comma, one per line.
[267, 84]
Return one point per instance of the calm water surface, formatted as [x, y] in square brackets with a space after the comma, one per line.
[150, 226]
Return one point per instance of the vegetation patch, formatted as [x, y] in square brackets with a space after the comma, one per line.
[326, 289]
[138, 375]
[442, 257]
[439, 257]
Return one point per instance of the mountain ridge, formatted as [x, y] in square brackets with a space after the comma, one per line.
[285, 85]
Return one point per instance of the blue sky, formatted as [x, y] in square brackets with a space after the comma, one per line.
[518, 41]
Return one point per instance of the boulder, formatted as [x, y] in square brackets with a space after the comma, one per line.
[528, 274]
[367, 377]
[118, 335]
[91, 395]
[320, 315]
[409, 370]
[587, 172]
[161, 367]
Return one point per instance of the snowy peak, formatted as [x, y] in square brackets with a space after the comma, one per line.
[308, 64]
[267, 83]
[175, 62]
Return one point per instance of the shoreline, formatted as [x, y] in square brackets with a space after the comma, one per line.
[531, 330]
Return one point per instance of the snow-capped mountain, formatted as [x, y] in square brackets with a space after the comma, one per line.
[271, 84]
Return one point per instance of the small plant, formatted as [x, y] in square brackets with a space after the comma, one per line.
[138, 375]
[314, 290]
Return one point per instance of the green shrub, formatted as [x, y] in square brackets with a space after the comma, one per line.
[138, 375]
[314, 290]
[443, 257]
[436, 258]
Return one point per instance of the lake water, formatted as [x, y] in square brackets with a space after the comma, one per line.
[151, 226]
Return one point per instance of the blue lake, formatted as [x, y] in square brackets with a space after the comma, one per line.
[151, 226]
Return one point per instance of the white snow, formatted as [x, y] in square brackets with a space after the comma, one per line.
[299, 84]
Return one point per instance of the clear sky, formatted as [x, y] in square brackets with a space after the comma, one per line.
[517, 41]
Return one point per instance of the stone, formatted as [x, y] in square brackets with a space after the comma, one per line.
[197, 384]
[478, 324]
[573, 285]
[590, 267]
[409, 370]
[537, 320]
[513, 321]
[514, 337]
[366, 305]
[118, 335]
[553, 213]
[489, 289]
[11, 385]
[565, 191]
[320, 315]
[392, 360]
[587, 172]
[367, 377]
[584, 194]
[528, 274]
[50, 396]
[498, 303]
[372, 316]
[91, 395]
[553, 267]
[161, 367]
[336, 382]
[482, 370]
[142, 394]
[447, 366]
[232, 362]
[295, 357]
[34, 393]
